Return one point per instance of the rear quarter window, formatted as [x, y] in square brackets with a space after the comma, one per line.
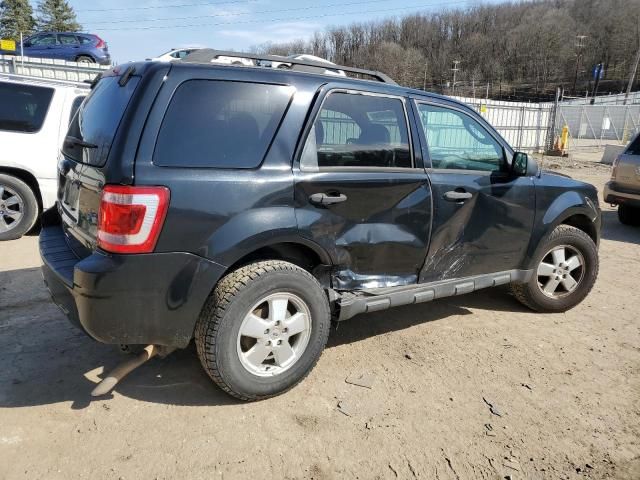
[23, 108]
[220, 124]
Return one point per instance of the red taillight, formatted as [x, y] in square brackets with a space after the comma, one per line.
[101, 43]
[130, 218]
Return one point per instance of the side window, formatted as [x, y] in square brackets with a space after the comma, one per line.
[66, 39]
[354, 130]
[457, 141]
[44, 40]
[24, 107]
[85, 40]
[220, 124]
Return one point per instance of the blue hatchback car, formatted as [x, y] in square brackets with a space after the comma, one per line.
[71, 46]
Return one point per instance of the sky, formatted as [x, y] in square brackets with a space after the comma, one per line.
[138, 29]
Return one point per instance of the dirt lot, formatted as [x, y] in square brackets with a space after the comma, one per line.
[565, 391]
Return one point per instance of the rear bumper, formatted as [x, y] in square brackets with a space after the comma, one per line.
[128, 299]
[614, 196]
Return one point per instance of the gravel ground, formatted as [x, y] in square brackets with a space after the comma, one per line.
[473, 387]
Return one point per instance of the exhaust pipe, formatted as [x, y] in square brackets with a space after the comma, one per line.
[125, 368]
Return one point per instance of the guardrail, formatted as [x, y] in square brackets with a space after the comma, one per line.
[48, 68]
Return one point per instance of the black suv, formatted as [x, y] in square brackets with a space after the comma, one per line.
[247, 207]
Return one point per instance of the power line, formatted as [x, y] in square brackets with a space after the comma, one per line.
[263, 21]
[237, 14]
[152, 7]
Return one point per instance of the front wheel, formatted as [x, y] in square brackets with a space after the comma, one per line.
[565, 269]
[263, 329]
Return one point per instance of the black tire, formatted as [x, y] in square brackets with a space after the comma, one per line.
[629, 215]
[217, 329]
[530, 293]
[12, 187]
[85, 59]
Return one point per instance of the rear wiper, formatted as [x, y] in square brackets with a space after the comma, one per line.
[74, 141]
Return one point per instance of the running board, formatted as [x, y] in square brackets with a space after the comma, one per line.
[373, 300]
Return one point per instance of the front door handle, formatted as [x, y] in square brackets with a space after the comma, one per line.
[324, 199]
[454, 196]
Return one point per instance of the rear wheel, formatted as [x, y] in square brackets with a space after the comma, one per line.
[263, 329]
[565, 269]
[18, 208]
[84, 59]
[629, 215]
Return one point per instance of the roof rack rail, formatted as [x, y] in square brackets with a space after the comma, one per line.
[207, 55]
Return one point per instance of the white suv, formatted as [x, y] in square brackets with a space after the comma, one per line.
[34, 118]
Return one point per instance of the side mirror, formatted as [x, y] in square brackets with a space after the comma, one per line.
[523, 166]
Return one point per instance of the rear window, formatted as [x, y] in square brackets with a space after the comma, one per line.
[219, 124]
[634, 147]
[75, 106]
[98, 119]
[23, 108]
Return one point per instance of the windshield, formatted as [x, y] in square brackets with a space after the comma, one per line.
[634, 147]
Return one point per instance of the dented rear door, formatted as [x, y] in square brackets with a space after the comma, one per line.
[360, 192]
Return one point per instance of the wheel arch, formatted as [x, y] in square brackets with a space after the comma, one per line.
[88, 55]
[300, 252]
[582, 222]
[572, 209]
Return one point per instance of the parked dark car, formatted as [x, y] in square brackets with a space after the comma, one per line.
[246, 208]
[70, 46]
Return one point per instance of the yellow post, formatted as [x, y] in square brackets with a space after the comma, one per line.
[564, 138]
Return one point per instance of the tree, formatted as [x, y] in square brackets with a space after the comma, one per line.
[16, 16]
[57, 16]
[511, 43]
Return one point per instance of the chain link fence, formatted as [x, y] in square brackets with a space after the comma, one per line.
[595, 126]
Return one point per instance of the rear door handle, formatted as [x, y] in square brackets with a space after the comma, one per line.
[324, 199]
[454, 196]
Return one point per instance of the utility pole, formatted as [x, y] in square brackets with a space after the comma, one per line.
[632, 77]
[579, 46]
[454, 70]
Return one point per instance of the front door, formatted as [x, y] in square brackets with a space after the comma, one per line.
[483, 215]
[42, 46]
[361, 193]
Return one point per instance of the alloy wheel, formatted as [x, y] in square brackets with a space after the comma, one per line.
[274, 334]
[11, 209]
[561, 271]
